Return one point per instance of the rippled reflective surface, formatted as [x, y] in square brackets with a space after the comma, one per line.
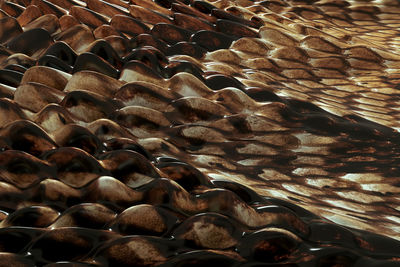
[169, 133]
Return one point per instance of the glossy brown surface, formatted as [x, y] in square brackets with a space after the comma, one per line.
[175, 133]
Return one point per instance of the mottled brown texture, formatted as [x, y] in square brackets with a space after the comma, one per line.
[175, 133]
